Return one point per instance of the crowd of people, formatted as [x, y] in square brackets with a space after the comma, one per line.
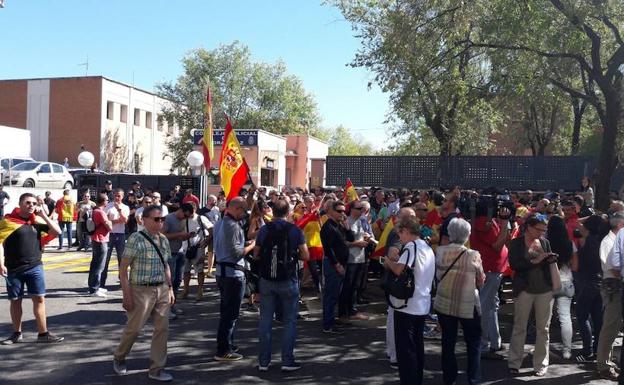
[441, 256]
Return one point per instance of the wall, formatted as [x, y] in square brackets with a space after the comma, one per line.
[15, 142]
[13, 99]
[274, 147]
[38, 118]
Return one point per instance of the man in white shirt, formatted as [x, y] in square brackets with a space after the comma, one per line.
[201, 228]
[611, 296]
[118, 213]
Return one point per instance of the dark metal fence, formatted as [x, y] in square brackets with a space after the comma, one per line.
[510, 172]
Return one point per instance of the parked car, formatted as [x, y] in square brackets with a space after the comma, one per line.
[7, 163]
[75, 171]
[39, 174]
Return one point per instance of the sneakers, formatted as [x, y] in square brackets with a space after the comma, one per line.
[161, 375]
[263, 368]
[344, 321]
[567, 354]
[49, 338]
[541, 372]
[292, 367]
[360, 317]
[333, 331]
[228, 357]
[120, 367]
[98, 293]
[432, 334]
[586, 358]
[15, 338]
[103, 290]
[394, 365]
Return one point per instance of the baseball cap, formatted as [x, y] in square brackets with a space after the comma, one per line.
[108, 182]
[136, 182]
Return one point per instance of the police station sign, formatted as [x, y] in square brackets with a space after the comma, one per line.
[247, 138]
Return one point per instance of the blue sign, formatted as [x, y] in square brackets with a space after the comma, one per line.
[247, 138]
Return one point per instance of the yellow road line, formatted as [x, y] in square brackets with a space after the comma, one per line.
[85, 269]
[59, 257]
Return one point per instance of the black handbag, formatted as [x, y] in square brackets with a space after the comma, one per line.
[401, 286]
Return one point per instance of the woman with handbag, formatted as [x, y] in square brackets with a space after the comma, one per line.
[410, 278]
[536, 278]
[459, 274]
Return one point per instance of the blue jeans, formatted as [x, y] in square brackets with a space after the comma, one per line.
[68, 227]
[231, 290]
[98, 270]
[116, 241]
[563, 299]
[472, 337]
[176, 265]
[488, 296]
[589, 304]
[33, 279]
[285, 293]
[315, 268]
[331, 292]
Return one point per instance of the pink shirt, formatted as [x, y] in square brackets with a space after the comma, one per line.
[101, 231]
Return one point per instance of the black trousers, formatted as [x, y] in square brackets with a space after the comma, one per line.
[410, 347]
[472, 337]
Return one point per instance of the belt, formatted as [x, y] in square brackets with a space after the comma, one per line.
[149, 284]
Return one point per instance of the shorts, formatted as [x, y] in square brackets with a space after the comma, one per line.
[33, 278]
[198, 262]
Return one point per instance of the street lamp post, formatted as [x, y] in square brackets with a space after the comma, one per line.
[86, 159]
[195, 159]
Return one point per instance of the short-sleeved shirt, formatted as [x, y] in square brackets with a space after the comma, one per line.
[146, 267]
[356, 254]
[21, 240]
[482, 239]
[174, 225]
[113, 214]
[101, 231]
[424, 269]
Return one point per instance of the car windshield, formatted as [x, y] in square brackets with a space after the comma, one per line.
[26, 166]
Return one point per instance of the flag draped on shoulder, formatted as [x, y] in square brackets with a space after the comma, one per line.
[13, 221]
[311, 226]
[381, 248]
[232, 166]
[207, 141]
[350, 193]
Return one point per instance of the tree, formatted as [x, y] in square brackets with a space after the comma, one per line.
[409, 46]
[255, 95]
[342, 142]
[584, 35]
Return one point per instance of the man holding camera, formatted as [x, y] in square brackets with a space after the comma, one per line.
[489, 238]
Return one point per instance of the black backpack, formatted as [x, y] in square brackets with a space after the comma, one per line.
[278, 261]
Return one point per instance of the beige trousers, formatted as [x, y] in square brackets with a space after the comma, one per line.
[543, 305]
[611, 325]
[154, 301]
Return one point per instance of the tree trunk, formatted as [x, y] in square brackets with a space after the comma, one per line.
[578, 107]
[607, 159]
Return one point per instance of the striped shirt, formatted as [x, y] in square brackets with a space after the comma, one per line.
[146, 268]
[457, 294]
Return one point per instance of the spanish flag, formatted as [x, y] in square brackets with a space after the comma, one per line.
[233, 167]
[14, 221]
[207, 141]
[380, 250]
[350, 193]
[311, 226]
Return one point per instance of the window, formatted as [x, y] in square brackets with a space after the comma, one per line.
[124, 114]
[170, 126]
[159, 122]
[148, 119]
[58, 169]
[45, 169]
[137, 117]
[109, 110]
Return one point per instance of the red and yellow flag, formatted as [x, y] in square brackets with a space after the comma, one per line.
[14, 221]
[350, 193]
[207, 141]
[232, 166]
[381, 248]
[311, 226]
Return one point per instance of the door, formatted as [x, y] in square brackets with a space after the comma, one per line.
[58, 179]
[44, 176]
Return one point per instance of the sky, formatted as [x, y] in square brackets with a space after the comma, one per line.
[141, 42]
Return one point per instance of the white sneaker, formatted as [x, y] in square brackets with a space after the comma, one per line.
[567, 355]
[98, 294]
[103, 290]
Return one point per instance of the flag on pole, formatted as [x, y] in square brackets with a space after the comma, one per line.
[381, 248]
[232, 165]
[207, 141]
[350, 193]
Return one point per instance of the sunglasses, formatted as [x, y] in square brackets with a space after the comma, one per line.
[357, 208]
[156, 219]
[340, 211]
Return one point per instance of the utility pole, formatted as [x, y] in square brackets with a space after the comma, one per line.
[85, 64]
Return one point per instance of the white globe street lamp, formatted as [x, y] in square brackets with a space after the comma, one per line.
[86, 159]
[195, 159]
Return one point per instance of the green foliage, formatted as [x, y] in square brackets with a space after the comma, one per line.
[343, 142]
[255, 95]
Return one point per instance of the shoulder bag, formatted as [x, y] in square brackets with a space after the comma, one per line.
[401, 286]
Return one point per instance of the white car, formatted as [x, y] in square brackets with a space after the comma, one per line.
[39, 174]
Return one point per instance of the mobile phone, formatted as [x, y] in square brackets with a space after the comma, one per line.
[382, 260]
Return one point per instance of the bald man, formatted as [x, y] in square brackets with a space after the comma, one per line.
[230, 249]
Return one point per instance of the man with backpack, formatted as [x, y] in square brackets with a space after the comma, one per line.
[98, 226]
[279, 245]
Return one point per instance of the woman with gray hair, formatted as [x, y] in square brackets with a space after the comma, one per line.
[459, 274]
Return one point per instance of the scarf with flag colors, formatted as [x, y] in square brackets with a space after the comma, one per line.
[14, 221]
[380, 250]
[311, 226]
[207, 140]
[232, 166]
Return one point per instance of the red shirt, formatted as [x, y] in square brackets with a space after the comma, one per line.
[433, 218]
[101, 231]
[191, 198]
[481, 239]
[572, 223]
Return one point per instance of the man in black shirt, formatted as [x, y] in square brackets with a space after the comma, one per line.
[20, 262]
[334, 237]
[108, 190]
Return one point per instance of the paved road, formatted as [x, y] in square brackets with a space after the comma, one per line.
[92, 328]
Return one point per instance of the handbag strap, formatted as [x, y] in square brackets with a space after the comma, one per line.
[412, 267]
[150, 240]
[450, 267]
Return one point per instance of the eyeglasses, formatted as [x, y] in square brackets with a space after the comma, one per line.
[30, 203]
[156, 219]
